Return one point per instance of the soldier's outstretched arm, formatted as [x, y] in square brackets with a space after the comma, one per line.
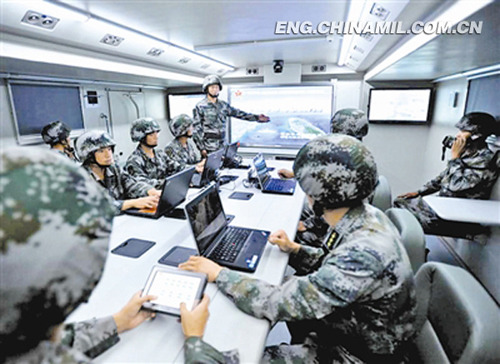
[433, 185]
[240, 114]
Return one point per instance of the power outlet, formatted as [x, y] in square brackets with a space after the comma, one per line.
[379, 11]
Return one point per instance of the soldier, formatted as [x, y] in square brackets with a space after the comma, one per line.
[211, 116]
[358, 299]
[312, 229]
[182, 149]
[471, 173]
[52, 213]
[96, 149]
[56, 134]
[147, 164]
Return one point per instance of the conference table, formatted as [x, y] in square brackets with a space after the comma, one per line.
[161, 339]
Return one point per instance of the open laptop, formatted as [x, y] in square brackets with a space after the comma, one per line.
[173, 193]
[234, 247]
[210, 169]
[268, 184]
[230, 160]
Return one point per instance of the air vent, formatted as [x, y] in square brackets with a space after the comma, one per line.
[379, 11]
[358, 49]
[40, 20]
[112, 40]
[252, 71]
[367, 36]
[318, 68]
[204, 66]
[184, 60]
[155, 52]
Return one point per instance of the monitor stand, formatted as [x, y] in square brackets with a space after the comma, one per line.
[176, 213]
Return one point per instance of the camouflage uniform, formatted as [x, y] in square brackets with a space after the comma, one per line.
[472, 175]
[198, 351]
[210, 119]
[181, 156]
[50, 212]
[358, 299]
[348, 122]
[56, 133]
[150, 171]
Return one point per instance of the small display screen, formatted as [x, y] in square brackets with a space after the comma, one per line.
[399, 105]
[173, 289]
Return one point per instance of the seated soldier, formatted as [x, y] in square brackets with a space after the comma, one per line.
[312, 229]
[182, 150]
[147, 164]
[357, 302]
[471, 173]
[56, 134]
[95, 149]
[54, 244]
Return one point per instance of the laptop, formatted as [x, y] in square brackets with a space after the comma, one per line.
[210, 169]
[230, 160]
[268, 184]
[234, 247]
[173, 193]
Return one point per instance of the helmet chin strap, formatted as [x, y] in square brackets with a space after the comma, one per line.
[213, 96]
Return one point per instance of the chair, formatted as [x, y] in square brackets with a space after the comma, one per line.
[411, 233]
[382, 198]
[460, 322]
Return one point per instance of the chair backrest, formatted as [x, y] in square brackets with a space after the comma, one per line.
[411, 233]
[460, 322]
[381, 197]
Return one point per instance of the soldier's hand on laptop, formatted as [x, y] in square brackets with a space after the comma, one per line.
[154, 192]
[285, 173]
[148, 202]
[202, 265]
[280, 238]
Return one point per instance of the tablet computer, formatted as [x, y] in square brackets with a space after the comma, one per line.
[173, 286]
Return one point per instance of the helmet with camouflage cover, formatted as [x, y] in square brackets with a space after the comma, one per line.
[142, 127]
[55, 132]
[335, 171]
[90, 142]
[180, 125]
[478, 123]
[211, 80]
[351, 122]
[51, 211]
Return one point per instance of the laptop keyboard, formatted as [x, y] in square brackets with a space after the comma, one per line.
[275, 185]
[230, 245]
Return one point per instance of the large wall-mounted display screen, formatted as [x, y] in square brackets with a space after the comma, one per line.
[36, 105]
[400, 105]
[183, 103]
[298, 114]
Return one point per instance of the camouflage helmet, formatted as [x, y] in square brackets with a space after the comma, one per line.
[335, 171]
[478, 123]
[142, 127]
[351, 122]
[211, 80]
[180, 125]
[51, 211]
[90, 142]
[55, 132]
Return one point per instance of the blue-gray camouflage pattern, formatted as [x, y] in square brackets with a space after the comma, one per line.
[210, 123]
[149, 171]
[55, 132]
[211, 80]
[351, 122]
[359, 295]
[90, 142]
[480, 124]
[181, 156]
[198, 351]
[50, 212]
[142, 127]
[180, 125]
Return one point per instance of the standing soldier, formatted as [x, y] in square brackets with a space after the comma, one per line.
[147, 164]
[211, 117]
[182, 150]
[357, 302]
[471, 173]
[96, 149]
[56, 134]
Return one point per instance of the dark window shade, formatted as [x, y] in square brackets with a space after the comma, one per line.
[483, 95]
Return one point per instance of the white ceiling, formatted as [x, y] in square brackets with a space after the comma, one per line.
[237, 33]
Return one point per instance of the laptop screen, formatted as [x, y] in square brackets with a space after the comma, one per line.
[231, 150]
[261, 169]
[212, 165]
[175, 189]
[206, 217]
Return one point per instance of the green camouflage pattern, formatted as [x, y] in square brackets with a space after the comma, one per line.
[335, 170]
[198, 351]
[180, 125]
[55, 132]
[51, 211]
[478, 123]
[358, 294]
[180, 156]
[211, 80]
[150, 172]
[210, 123]
[351, 122]
[142, 127]
[90, 142]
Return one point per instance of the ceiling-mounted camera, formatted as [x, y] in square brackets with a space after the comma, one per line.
[278, 65]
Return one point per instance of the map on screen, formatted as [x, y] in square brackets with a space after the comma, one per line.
[298, 114]
[399, 105]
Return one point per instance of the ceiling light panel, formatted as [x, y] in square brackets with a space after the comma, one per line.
[112, 40]
[40, 20]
